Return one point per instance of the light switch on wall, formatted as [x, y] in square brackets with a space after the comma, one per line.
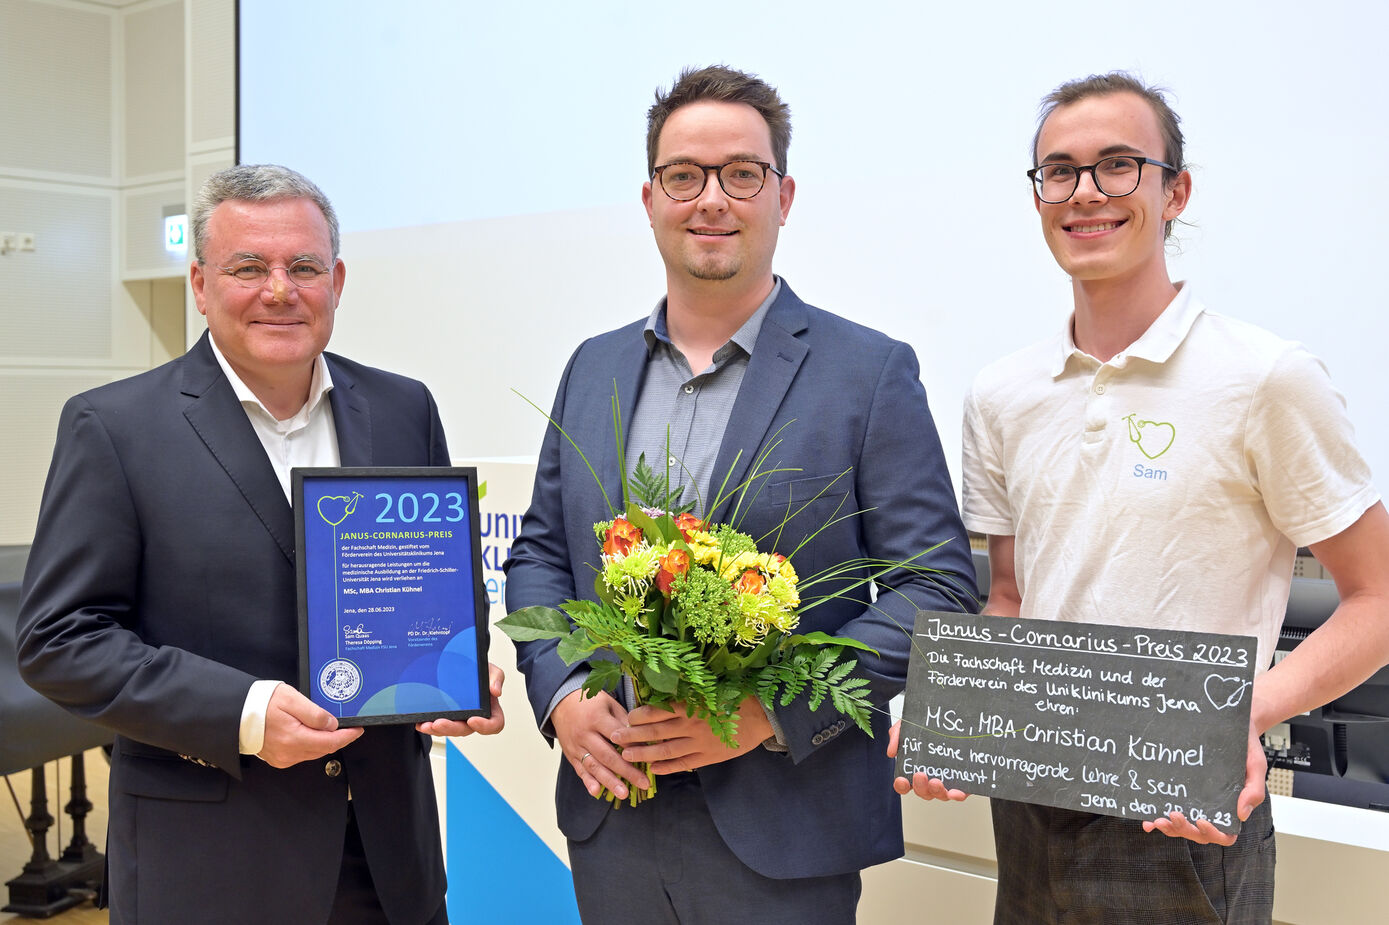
[11, 241]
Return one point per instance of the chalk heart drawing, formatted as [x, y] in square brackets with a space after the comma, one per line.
[1224, 692]
[337, 506]
[1153, 437]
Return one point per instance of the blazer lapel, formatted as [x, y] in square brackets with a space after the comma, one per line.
[351, 418]
[772, 368]
[628, 370]
[221, 423]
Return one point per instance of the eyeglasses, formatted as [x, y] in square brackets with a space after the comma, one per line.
[738, 179]
[1113, 176]
[252, 274]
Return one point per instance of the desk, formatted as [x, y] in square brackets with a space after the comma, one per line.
[1332, 864]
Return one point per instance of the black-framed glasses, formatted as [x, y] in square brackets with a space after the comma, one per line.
[252, 274]
[1113, 176]
[739, 179]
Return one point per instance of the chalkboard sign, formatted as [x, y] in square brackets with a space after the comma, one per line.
[1113, 720]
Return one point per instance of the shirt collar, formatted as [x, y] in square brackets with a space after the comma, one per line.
[745, 337]
[319, 385]
[1156, 345]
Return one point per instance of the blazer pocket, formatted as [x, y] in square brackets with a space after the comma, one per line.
[796, 492]
[165, 776]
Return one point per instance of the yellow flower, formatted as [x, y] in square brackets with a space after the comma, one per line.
[730, 569]
[704, 549]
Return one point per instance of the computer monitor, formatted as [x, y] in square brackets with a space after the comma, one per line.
[1340, 751]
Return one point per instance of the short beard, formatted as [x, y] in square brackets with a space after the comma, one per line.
[714, 272]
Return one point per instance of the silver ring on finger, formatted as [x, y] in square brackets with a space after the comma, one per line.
[584, 756]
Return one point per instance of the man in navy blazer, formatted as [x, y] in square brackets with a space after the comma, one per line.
[160, 598]
[730, 363]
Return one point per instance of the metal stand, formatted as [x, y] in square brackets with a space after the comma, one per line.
[48, 886]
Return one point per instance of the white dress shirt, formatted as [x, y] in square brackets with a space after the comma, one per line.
[307, 438]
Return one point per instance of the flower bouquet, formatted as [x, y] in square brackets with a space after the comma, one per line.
[694, 612]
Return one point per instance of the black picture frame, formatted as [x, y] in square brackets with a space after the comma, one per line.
[393, 624]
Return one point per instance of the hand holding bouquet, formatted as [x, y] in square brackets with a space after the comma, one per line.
[695, 613]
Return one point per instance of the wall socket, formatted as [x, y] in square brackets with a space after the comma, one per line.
[11, 241]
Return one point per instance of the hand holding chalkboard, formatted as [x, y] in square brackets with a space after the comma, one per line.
[1136, 723]
[928, 788]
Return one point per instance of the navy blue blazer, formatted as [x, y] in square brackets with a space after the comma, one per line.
[837, 396]
[160, 585]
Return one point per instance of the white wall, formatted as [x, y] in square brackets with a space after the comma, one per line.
[514, 136]
[481, 262]
[91, 153]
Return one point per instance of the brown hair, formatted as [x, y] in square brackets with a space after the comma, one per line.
[720, 84]
[1169, 123]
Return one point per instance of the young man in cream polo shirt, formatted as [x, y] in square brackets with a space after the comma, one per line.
[1155, 464]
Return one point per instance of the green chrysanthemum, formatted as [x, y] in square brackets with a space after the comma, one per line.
[628, 574]
[757, 614]
[750, 631]
[783, 592]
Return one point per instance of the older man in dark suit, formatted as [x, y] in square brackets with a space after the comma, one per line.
[159, 598]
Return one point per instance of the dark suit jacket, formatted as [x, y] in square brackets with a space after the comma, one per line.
[160, 585]
[838, 396]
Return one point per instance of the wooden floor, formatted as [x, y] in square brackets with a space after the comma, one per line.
[14, 841]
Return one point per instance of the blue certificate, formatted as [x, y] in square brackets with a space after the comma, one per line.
[390, 591]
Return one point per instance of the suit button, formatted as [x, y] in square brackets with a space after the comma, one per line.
[817, 739]
[332, 767]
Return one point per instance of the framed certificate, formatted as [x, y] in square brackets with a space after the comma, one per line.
[390, 593]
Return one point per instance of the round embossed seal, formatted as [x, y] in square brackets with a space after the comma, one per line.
[340, 680]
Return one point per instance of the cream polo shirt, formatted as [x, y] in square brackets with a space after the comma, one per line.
[1168, 487]
[308, 438]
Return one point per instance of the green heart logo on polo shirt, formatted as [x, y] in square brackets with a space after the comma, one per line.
[1152, 437]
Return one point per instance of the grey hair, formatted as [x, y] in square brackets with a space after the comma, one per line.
[257, 183]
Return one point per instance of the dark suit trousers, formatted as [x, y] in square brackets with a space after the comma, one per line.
[1059, 866]
[663, 862]
[356, 902]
